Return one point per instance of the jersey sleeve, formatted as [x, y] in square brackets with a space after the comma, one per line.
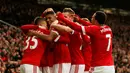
[89, 30]
[83, 22]
[62, 39]
[73, 25]
[27, 27]
[86, 38]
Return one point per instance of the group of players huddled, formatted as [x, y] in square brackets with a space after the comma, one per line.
[63, 42]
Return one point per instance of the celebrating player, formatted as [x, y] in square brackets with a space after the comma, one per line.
[101, 41]
[62, 60]
[34, 47]
[75, 45]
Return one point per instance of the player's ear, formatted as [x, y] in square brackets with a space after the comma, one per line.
[72, 15]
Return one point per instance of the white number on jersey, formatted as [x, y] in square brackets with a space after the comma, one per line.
[31, 46]
[109, 41]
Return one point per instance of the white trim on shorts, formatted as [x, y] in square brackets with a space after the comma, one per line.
[27, 68]
[103, 69]
[77, 68]
[47, 69]
[86, 71]
[61, 68]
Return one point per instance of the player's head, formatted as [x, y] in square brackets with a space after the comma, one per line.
[50, 15]
[69, 13]
[99, 17]
[40, 21]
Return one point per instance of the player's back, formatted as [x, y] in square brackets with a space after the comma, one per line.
[102, 46]
[75, 47]
[34, 49]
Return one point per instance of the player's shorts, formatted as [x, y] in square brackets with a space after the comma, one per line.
[47, 69]
[77, 68]
[86, 71]
[61, 68]
[102, 69]
[27, 68]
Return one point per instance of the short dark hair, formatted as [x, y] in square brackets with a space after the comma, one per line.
[101, 17]
[37, 19]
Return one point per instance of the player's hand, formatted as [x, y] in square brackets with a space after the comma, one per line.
[76, 18]
[86, 19]
[58, 12]
[52, 26]
[68, 29]
[60, 15]
[31, 33]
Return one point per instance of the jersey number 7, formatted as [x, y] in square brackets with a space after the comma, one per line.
[109, 41]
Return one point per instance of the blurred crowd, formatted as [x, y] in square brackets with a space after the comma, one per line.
[121, 48]
[121, 45]
[11, 40]
[18, 13]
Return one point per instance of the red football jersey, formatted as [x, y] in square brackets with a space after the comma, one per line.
[87, 52]
[61, 50]
[34, 49]
[101, 44]
[75, 47]
[101, 41]
[47, 59]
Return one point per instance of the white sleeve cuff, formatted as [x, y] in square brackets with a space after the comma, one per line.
[57, 38]
[55, 32]
[83, 30]
[72, 32]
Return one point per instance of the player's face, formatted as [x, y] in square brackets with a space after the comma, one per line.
[43, 24]
[50, 18]
[93, 19]
[67, 15]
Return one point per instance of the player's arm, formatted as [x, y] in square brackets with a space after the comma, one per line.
[90, 30]
[62, 28]
[62, 39]
[26, 28]
[81, 21]
[86, 38]
[73, 25]
[50, 37]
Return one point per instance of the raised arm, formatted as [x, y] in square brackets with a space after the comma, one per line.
[26, 28]
[50, 37]
[62, 39]
[62, 28]
[81, 21]
[90, 30]
[73, 25]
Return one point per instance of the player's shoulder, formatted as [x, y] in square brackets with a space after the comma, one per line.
[44, 30]
[105, 28]
[93, 26]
